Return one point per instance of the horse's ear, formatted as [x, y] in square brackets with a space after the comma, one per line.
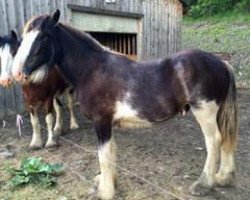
[55, 17]
[13, 35]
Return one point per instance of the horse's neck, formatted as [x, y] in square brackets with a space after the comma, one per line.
[78, 57]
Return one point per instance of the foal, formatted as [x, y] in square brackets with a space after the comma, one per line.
[115, 90]
[40, 92]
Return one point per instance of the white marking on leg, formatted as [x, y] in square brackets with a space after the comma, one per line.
[73, 122]
[59, 121]
[227, 162]
[6, 63]
[206, 116]
[23, 52]
[50, 122]
[36, 136]
[225, 175]
[107, 159]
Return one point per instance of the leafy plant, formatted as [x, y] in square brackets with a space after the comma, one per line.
[33, 170]
[205, 8]
[243, 6]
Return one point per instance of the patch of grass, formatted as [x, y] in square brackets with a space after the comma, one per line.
[34, 171]
[230, 33]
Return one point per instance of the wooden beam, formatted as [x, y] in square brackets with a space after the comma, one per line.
[92, 10]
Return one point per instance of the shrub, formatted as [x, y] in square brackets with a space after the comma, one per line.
[205, 8]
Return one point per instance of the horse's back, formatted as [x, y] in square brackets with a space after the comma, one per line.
[203, 75]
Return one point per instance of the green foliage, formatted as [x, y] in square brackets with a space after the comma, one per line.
[205, 8]
[191, 2]
[243, 6]
[33, 170]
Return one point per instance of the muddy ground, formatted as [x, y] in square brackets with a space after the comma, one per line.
[169, 155]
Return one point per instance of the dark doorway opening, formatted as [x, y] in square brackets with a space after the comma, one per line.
[124, 43]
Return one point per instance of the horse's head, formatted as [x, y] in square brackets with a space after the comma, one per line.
[9, 45]
[37, 51]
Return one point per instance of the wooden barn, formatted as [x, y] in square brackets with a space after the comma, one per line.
[140, 29]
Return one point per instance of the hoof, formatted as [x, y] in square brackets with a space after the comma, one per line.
[198, 189]
[58, 131]
[51, 144]
[106, 194]
[74, 126]
[106, 191]
[97, 180]
[225, 180]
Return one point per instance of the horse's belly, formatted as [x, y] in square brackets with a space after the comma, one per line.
[126, 116]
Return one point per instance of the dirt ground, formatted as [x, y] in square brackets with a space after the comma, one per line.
[169, 156]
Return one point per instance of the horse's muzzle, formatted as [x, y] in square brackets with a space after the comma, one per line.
[21, 77]
[5, 82]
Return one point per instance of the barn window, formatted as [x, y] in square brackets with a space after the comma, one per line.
[119, 31]
[121, 42]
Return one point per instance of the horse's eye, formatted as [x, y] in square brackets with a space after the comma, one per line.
[43, 37]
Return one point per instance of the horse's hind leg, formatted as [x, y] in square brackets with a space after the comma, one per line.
[206, 117]
[36, 142]
[73, 122]
[225, 175]
[59, 121]
[107, 159]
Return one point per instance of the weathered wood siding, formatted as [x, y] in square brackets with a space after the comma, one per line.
[161, 29]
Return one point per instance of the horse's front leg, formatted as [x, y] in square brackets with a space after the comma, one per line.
[36, 141]
[206, 116]
[73, 122]
[107, 159]
[51, 142]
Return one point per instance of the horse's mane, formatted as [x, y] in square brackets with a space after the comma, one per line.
[6, 39]
[36, 21]
[81, 35]
[33, 22]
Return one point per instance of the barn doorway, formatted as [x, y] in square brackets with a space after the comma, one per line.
[119, 31]
[123, 43]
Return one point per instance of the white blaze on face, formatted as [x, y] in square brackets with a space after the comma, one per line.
[23, 51]
[6, 62]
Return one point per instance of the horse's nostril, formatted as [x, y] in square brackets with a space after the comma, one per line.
[8, 81]
[17, 74]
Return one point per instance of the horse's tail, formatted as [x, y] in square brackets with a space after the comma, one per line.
[227, 117]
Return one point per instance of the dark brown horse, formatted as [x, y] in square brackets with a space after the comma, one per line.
[39, 93]
[115, 90]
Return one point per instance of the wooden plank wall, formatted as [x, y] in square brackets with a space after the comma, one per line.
[161, 24]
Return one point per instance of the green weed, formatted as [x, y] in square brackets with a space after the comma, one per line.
[34, 171]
